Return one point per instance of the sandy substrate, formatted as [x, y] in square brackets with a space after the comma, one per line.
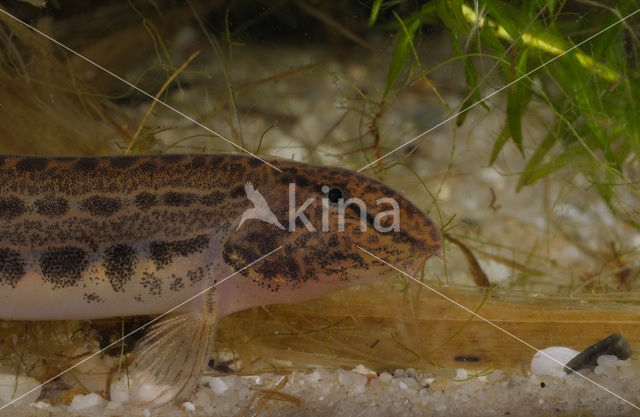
[362, 392]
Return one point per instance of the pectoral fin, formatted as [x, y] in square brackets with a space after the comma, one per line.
[169, 360]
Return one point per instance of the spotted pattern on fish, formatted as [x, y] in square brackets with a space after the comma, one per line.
[92, 297]
[196, 276]
[119, 264]
[51, 206]
[11, 267]
[213, 199]
[100, 206]
[177, 284]
[31, 164]
[63, 267]
[163, 252]
[11, 207]
[174, 199]
[146, 200]
[152, 283]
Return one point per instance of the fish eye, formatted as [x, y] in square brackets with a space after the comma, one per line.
[334, 195]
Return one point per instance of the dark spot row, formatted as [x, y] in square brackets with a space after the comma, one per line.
[11, 207]
[40, 163]
[63, 266]
[162, 253]
[147, 200]
[101, 206]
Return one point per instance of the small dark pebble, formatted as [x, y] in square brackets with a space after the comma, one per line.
[542, 385]
[222, 368]
[588, 358]
[110, 332]
[466, 359]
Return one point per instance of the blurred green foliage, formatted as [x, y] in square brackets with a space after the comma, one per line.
[579, 59]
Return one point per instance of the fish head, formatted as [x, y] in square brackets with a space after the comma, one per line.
[317, 224]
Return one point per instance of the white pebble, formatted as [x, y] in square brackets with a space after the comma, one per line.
[119, 392]
[346, 378]
[314, 376]
[543, 365]
[188, 406]
[361, 369]
[10, 390]
[217, 384]
[607, 361]
[81, 402]
[610, 365]
[385, 377]
[41, 405]
[359, 384]
[125, 389]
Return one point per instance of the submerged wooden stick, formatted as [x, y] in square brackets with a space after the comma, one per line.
[399, 334]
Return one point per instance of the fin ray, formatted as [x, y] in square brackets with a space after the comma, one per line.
[169, 360]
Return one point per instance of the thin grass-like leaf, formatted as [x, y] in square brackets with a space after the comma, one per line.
[450, 12]
[471, 77]
[401, 52]
[375, 10]
[499, 143]
[531, 169]
[428, 13]
[512, 19]
[557, 162]
[518, 97]
[632, 111]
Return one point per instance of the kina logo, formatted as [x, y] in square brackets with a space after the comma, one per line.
[260, 210]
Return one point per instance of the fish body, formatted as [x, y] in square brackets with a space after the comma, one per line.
[93, 237]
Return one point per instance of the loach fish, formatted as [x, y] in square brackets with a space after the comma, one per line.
[96, 237]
